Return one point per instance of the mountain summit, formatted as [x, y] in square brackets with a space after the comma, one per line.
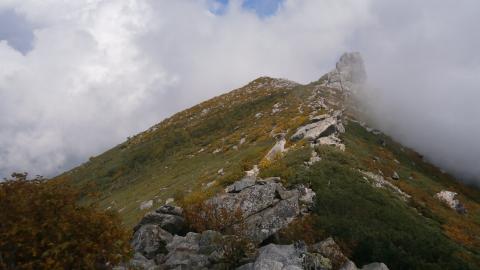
[295, 172]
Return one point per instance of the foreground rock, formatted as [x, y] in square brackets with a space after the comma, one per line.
[265, 206]
[325, 255]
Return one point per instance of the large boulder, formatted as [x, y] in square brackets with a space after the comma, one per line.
[261, 207]
[167, 217]
[316, 129]
[150, 240]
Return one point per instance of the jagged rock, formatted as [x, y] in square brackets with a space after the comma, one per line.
[315, 130]
[264, 224]
[150, 240]
[375, 266]
[395, 176]
[448, 197]
[167, 217]
[348, 75]
[263, 207]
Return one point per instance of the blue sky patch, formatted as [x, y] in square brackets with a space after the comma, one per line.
[15, 29]
[263, 8]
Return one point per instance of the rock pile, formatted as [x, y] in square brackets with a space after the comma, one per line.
[161, 240]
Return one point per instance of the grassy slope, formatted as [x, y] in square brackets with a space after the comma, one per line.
[168, 161]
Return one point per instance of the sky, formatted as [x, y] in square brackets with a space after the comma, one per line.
[79, 77]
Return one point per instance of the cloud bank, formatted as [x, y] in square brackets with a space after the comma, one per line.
[97, 71]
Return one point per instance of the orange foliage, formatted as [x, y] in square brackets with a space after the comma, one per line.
[43, 227]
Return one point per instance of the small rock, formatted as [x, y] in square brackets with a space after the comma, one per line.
[220, 172]
[169, 200]
[449, 197]
[395, 176]
[146, 205]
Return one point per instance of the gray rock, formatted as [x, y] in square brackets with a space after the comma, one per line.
[150, 240]
[395, 176]
[279, 256]
[283, 257]
[140, 262]
[315, 130]
[349, 73]
[264, 224]
[329, 249]
[261, 208]
[172, 223]
[349, 265]
[170, 209]
[240, 185]
[375, 266]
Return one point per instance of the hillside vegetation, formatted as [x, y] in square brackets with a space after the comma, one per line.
[206, 147]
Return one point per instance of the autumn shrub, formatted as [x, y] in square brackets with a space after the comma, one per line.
[304, 229]
[44, 227]
[201, 215]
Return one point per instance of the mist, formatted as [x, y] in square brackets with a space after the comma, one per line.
[81, 76]
[424, 70]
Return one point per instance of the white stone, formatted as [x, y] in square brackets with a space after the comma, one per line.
[146, 205]
[276, 150]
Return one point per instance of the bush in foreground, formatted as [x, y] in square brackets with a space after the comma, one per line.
[44, 227]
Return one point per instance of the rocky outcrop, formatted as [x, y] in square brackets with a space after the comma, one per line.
[265, 206]
[160, 240]
[449, 198]
[322, 130]
[348, 75]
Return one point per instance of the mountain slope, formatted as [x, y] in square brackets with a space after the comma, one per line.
[376, 197]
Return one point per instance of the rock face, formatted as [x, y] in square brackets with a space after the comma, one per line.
[265, 206]
[348, 75]
[449, 198]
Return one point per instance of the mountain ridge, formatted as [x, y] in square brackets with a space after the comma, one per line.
[211, 145]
